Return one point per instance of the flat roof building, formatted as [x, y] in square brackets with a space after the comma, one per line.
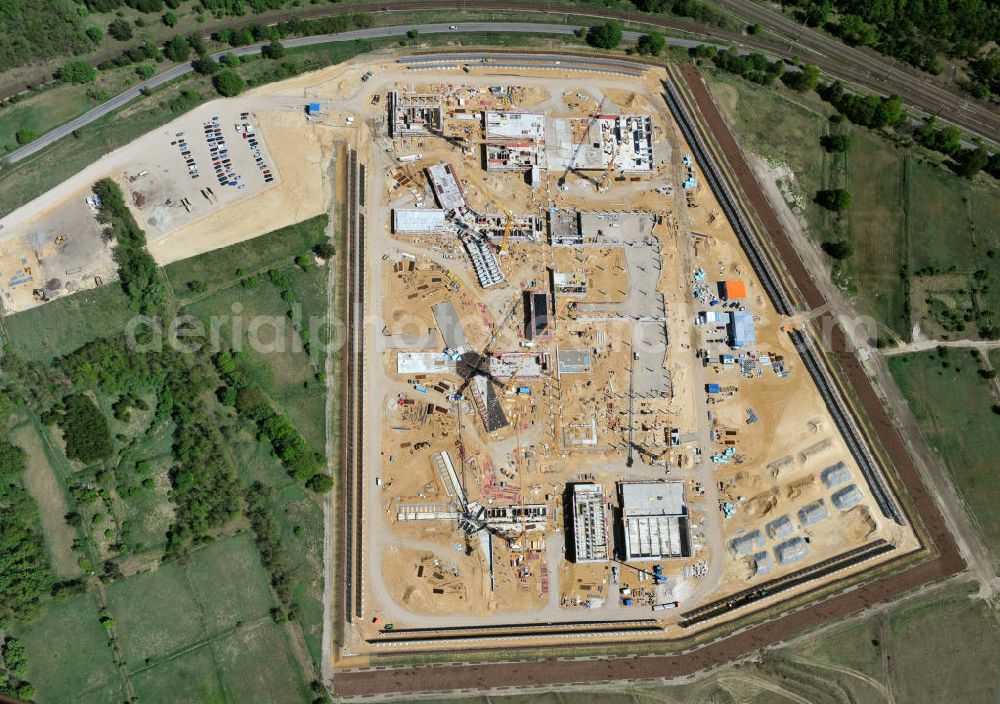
[564, 227]
[515, 126]
[654, 520]
[417, 221]
[590, 523]
[447, 189]
[424, 363]
[741, 329]
[511, 156]
[538, 317]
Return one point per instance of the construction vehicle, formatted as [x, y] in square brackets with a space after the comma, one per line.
[510, 219]
[605, 181]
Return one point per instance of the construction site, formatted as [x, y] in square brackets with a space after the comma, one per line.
[586, 412]
[580, 404]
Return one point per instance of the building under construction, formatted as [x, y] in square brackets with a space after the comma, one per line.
[523, 228]
[654, 520]
[517, 126]
[414, 114]
[590, 523]
[447, 189]
[539, 322]
[510, 156]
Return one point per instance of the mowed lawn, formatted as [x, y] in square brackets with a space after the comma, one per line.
[953, 406]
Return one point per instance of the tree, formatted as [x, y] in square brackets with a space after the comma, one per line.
[25, 135]
[205, 65]
[228, 83]
[95, 34]
[320, 483]
[835, 199]
[169, 18]
[969, 162]
[835, 142]
[145, 71]
[754, 29]
[274, 50]
[230, 59]
[605, 36]
[324, 250]
[854, 30]
[120, 29]
[803, 80]
[177, 49]
[77, 72]
[85, 430]
[838, 249]
[652, 43]
[412, 34]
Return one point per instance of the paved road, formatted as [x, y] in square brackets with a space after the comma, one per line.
[372, 33]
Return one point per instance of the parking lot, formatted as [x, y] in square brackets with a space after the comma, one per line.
[197, 166]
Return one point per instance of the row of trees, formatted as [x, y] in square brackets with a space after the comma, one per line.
[914, 32]
[136, 267]
[24, 567]
[253, 404]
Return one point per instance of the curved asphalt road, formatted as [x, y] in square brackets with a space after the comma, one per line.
[372, 33]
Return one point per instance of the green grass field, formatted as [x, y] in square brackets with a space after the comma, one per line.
[946, 648]
[952, 404]
[43, 483]
[229, 583]
[63, 325]
[41, 113]
[156, 614]
[218, 269]
[256, 665]
[876, 228]
[906, 212]
[273, 354]
[69, 655]
[190, 677]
